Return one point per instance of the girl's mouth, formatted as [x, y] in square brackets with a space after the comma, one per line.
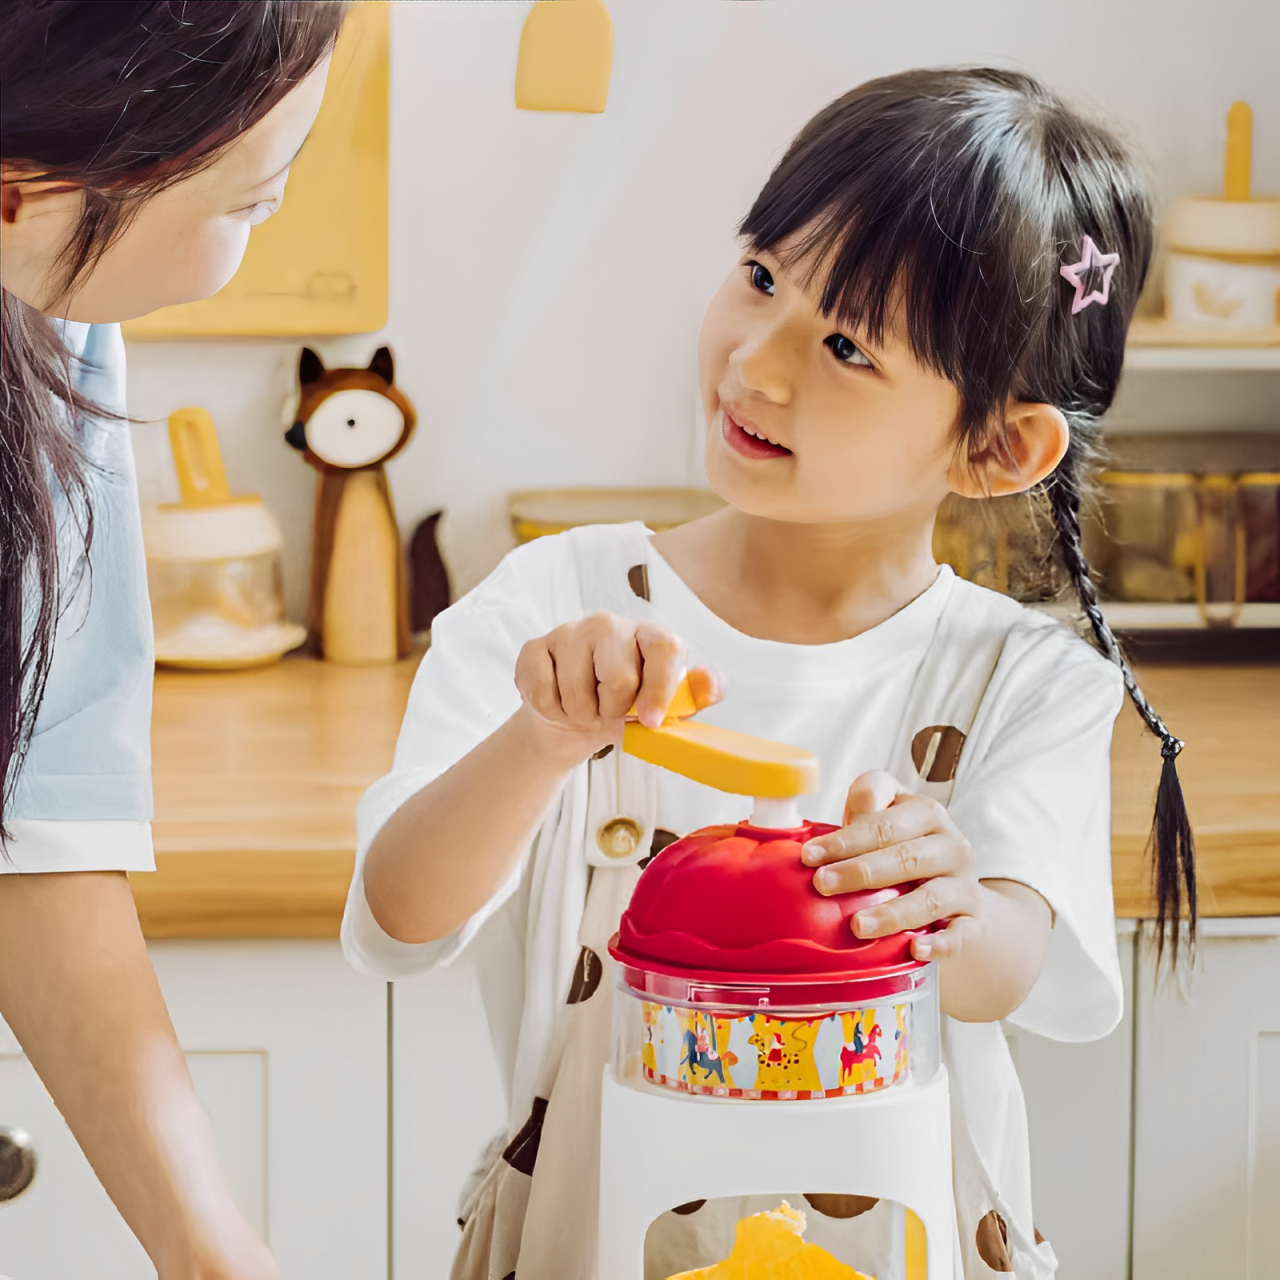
[747, 442]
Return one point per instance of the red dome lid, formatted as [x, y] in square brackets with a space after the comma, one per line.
[737, 900]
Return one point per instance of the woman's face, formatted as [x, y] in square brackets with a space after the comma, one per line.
[183, 245]
[809, 422]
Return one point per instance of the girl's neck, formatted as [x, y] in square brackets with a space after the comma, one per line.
[802, 583]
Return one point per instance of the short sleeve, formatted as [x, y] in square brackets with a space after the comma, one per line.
[1033, 796]
[43, 845]
[89, 760]
[464, 690]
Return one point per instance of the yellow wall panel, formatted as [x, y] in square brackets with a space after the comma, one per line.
[320, 264]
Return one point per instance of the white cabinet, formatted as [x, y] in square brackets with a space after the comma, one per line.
[1207, 1114]
[1171, 1123]
[448, 1103]
[288, 1050]
[1078, 1112]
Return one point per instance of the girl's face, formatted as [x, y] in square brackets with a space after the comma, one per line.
[184, 244]
[807, 421]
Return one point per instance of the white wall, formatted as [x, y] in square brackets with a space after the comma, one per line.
[549, 271]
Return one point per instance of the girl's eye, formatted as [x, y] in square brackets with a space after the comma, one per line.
[846, 351]
[760, 278]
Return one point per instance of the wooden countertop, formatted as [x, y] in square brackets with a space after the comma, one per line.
[257, 775]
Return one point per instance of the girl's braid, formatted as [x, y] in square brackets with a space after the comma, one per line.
[1171, 837]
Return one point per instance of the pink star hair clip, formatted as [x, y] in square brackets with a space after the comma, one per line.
[1077, 274]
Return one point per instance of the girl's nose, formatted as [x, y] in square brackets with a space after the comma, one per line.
[766, 364]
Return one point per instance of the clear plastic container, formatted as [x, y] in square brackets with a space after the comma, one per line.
[213, 563]
[776, 1041]
[1149, 547]
[1260, 528]
[217, 593]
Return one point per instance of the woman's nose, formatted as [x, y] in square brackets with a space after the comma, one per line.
[766, 364]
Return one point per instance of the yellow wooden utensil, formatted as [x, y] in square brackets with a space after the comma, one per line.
[566, 57]
[198, 458]
[738, 763]
[1237, 179]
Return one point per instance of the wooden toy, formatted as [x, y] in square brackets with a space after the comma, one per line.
[349, 422]
[751, 1022]
[1223, 267]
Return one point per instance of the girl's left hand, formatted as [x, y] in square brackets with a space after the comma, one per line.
[890, 836]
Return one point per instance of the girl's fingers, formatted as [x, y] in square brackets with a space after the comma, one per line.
[617, 672]
[870, 792]
[949, 942]
[919, 859]
[938, 899]
[707, 687]
[536, 681]
[907, 818]
[573, 653]
[662, 659]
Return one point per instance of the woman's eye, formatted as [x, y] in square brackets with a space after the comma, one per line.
[260, 212]
[846, 351]
[760, 278]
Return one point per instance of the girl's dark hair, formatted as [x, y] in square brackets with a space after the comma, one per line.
[124, 99]
[960, 193]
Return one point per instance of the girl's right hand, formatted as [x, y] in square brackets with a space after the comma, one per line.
[579, 681]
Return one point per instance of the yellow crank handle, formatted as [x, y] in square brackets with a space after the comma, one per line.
[725, 759]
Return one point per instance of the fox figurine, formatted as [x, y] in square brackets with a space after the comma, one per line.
[348, 423]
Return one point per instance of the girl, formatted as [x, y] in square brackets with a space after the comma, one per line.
[139, 144]
[933, 299]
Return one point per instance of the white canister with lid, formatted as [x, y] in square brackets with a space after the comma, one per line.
[1223, 265]
[213, 563]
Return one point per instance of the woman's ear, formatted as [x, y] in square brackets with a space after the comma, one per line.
[23, 197]
[1016, 456]
[35, 220]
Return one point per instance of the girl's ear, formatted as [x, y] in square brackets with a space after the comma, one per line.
[1016, 456]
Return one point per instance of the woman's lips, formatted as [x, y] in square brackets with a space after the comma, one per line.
[748, 445]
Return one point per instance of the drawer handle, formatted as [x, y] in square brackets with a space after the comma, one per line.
[17, 1162]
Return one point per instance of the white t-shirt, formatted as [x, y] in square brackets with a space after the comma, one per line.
[83, 797]
[1032, 793]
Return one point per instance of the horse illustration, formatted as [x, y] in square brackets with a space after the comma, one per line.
[701, 1058]
[861, 1049]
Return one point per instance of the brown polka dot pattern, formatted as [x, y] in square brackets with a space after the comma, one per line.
[841, 1206]
[586, 976]
[661, 838]
[993, 1242]
[944, 742]
[691, 1207]
[521, 1152]
[638, 578]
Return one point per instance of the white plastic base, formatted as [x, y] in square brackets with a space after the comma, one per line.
[895, 1144]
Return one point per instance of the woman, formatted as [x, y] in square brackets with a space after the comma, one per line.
[139, 144]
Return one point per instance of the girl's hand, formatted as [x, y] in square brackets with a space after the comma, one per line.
[891, 836]
[579, 682]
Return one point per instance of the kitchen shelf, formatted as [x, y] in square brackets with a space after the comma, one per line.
[1156, 344]
[1141, 615]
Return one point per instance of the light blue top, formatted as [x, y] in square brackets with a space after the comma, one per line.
[90, 756]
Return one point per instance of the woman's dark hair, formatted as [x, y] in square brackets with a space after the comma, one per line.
[123, 99]
[960, 194]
